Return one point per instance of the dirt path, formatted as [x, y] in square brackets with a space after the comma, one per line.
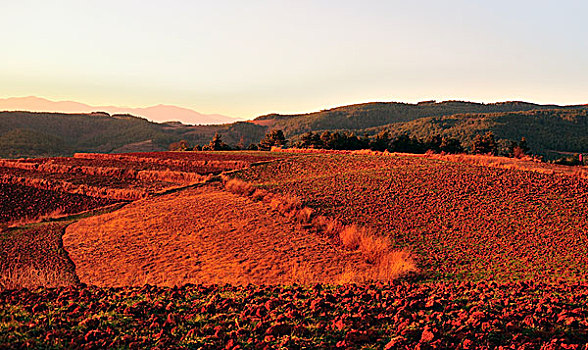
[201, 235]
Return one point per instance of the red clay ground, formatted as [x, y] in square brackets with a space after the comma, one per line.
[202, 235]
[465, 222]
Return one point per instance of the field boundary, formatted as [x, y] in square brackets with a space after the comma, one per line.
[92, 191]
[377, 250]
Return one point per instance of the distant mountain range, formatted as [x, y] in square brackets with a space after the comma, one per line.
[549, 129]
[159, 113]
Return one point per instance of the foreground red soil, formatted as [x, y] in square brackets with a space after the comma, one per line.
[202, 235]
[401, 316]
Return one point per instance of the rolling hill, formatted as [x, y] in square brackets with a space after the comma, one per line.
[30, 134]
[548, 128]
[362, 116]
[547, 131]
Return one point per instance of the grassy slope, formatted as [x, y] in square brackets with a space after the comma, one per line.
[466, 222]
[202, 235]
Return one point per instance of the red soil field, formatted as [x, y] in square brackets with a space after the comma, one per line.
[34, 256]
[23, 202]
[465, 222]
[398, 316]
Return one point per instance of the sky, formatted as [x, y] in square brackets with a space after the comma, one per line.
[249, 58]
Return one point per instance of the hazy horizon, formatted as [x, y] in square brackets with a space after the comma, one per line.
[248, 59]
[128, 109]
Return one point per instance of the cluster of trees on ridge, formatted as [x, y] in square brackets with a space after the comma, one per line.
[383, 141]
[274, 138]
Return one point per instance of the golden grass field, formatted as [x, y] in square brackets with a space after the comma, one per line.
[203, 235]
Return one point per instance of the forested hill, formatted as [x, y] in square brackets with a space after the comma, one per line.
[28, 134]
[367, 115]
[547, 128]
[547, 131]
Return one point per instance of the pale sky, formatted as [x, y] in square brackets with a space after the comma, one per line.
[248, 58]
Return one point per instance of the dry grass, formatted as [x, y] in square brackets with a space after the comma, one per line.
[396, 264]
[376, 249]
[303, 273]
[32, 277]
[239, 187]
[34, 257]
[388, 264]
[202, 235]
[178, 177]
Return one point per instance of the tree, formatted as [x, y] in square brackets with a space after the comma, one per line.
[326, 140]
[181, 145]
[381, 142]
[273, 138]
[485, 144]
[450, 145]
[405, 143]
[522, 149]
[306, 140]
[216, 144]
[518, 149]
[433, 143]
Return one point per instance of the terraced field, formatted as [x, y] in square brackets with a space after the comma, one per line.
[501, 250]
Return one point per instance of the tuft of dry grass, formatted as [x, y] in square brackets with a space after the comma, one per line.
[351, 236]
[239, 187]
[355, 237]
[304, 215]
[259, 195]
[396, 264]
[303, 273]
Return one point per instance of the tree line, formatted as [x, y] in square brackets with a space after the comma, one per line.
[383, 141]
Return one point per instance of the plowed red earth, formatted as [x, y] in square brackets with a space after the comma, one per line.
[466, 222]
[23, 202]
[402, 316]
[202, 235]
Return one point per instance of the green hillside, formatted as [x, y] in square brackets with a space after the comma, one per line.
[27, 134]
[369, 115]
[563, 130]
